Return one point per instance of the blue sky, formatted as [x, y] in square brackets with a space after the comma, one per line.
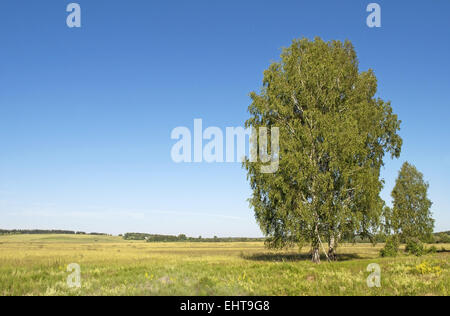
[86, 114]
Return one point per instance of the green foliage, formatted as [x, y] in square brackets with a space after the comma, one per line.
[334, 135]
[442, 238]
[415, 247]
[411, 215]
[153, 237]
[391, 248]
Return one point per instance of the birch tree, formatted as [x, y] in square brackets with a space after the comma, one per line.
[333, 137]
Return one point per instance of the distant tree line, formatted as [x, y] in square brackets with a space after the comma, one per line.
[45, 232]
[442, 238]
[183, 238]
[436, 238]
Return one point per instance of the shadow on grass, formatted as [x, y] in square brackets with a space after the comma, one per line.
[294, 257]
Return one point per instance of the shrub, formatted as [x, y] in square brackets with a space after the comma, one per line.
[391, 247]
[432, 249]
[442, 238]
[415, 247]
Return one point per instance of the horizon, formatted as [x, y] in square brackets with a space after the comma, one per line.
[50, 232]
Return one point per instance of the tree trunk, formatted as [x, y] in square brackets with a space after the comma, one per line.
[315, 255]
[332, 248]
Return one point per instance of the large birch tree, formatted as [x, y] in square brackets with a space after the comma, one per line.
[333, 136]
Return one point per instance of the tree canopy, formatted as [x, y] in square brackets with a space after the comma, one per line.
[333, 137]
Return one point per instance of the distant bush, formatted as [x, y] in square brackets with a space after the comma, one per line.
[391, 247]
[415, 247]
[442, 238]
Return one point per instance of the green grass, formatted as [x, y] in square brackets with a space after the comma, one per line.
[36, 265]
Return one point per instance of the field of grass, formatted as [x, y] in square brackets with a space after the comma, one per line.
[37, 265]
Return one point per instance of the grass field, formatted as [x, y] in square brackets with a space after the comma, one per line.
[37, 265]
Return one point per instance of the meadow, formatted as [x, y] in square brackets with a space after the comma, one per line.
[37, 265]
